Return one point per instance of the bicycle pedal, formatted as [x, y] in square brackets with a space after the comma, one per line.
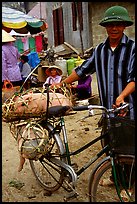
[71, 195]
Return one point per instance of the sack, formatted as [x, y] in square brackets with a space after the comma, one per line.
[8, 90]
[32, 139]
[33, 103]
[7, 85]
[122, 135]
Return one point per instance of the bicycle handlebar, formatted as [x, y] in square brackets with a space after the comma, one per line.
[80, 108]
[91, 107]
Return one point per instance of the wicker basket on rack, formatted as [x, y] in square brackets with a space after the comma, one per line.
[34, 103]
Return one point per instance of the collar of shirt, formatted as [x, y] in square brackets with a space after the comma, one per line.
[124, 40]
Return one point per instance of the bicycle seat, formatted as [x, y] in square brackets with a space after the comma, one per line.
[57, 111]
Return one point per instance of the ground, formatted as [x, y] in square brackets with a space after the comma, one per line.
[23, 187]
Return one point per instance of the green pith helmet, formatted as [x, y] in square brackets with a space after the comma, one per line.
[116, 14]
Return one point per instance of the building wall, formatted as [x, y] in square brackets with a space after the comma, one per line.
[72, 37]
[92, 33]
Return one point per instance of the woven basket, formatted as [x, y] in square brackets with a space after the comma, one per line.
[34, 103]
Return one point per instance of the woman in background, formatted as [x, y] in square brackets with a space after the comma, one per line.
[54, 75]
[10, 59]
[83, 89]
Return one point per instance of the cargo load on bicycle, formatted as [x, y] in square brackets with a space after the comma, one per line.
[33, 103]
[24, 111]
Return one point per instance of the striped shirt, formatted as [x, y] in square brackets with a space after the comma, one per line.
[114, 70]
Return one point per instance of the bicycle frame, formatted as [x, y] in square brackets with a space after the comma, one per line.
[61, 127]
[68, 154]
[58, 127]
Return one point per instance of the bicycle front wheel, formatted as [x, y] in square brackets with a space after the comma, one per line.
[50, 175]
[108, 193]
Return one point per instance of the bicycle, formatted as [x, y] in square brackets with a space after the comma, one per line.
[54, 169]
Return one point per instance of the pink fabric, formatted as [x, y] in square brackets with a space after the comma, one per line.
[38, 41]
[25, 43]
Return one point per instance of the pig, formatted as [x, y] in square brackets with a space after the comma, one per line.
[33, 103]
[37, 102]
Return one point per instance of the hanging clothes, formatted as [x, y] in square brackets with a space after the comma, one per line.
[38, 41]
[25, 43]
[19, 44]
[32, 45]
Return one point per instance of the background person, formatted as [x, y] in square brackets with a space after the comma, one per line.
[25, 70]
[54, 75]
[10, 59]
[83, 89]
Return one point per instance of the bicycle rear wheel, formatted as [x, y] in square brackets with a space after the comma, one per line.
[49, 175]
[98, 193]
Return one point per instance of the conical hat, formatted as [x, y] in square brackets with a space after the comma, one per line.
[48, 71]
[6, 37]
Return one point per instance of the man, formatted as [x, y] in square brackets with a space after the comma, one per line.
[113, 61]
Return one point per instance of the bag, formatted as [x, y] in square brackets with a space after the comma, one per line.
[8, 90]
[7, 85]
[122, 135]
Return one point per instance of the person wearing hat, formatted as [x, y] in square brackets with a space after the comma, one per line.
[114, 63]
[10, 59]
[54, 75]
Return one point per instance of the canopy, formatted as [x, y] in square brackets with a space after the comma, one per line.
[38, 11]
[21, 22]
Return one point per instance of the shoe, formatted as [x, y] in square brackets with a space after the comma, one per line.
[106, 182]
[125, 197]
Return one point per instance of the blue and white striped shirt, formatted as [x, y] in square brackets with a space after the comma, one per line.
[114, 70]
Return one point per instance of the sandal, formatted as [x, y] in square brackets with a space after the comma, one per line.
[125, 197]
[106, 182]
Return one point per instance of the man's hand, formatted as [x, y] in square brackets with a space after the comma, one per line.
[119, 101]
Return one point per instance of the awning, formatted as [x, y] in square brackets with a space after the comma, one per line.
[20, 22]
